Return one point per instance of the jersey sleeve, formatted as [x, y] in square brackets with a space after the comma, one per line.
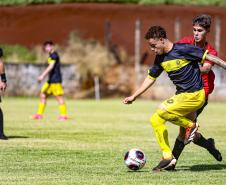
[194, 53]
[1, 52]
[157, 69]
[212, 52]
[52, 59]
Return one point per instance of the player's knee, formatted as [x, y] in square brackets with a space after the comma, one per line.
[154, 119]
[60, 99]
[166, 115]
[42, 96]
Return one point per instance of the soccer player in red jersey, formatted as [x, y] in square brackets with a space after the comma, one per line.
[201, 27]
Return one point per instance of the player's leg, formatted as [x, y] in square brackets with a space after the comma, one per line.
[175, 109]
[42, 103]
[45, 92]
[179, 142]
[62, 108]
[2, 135]
[161, 133]
[41, 106]
[208, 144]
[201, 141]
[58, 92]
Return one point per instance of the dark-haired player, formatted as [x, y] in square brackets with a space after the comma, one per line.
[3, 85]
[54, 84]
[201, 27]
[180, 61]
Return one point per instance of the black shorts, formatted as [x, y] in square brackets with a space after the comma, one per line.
[199, 111]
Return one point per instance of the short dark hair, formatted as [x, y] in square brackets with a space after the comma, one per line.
[155, 32]
[203, 20]
[48, 42]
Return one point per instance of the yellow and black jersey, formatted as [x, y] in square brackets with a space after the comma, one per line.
[181, 64]
[55, 73]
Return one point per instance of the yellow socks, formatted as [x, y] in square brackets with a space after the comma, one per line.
[161, 134]
[41, 108]
[63, 110]
[158, 121]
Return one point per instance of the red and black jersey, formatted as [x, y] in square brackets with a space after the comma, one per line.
[208, 79]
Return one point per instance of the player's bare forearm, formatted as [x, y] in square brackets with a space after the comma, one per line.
[216, 60]
[47, 70]
[145, 85]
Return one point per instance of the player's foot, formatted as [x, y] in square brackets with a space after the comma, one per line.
[37, 117]
[62, 118]
[213, 151]
[165, 164]
[3, 137]
[190, 133]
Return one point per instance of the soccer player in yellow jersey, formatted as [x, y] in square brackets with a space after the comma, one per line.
[54, 84]
[180, 61]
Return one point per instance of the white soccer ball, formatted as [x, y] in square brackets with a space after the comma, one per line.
[135, 159]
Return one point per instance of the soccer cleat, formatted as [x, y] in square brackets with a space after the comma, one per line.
[213, 151]
[190, 133]
[171, 168]
[37, 117]
[62, 118]
[165, 164]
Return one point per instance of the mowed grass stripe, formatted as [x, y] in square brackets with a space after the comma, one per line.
[89, 148]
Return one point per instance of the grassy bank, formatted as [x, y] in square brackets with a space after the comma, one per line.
[146, 2]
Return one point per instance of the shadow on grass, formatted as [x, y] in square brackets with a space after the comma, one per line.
[202, 167]
[17, 137]
[138, 171]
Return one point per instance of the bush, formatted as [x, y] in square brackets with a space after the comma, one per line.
[18, 53]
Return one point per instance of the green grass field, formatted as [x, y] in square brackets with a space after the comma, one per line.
[89, 148]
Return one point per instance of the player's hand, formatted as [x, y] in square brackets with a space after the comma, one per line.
[3, 86]
[40, 78]
[129, 100]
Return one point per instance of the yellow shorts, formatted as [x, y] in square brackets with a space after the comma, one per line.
[55, 89]
[184, 103]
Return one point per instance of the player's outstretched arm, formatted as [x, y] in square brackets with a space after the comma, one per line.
[145, 85]
[216, 60]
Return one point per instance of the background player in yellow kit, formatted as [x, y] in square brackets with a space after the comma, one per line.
[54, 84]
